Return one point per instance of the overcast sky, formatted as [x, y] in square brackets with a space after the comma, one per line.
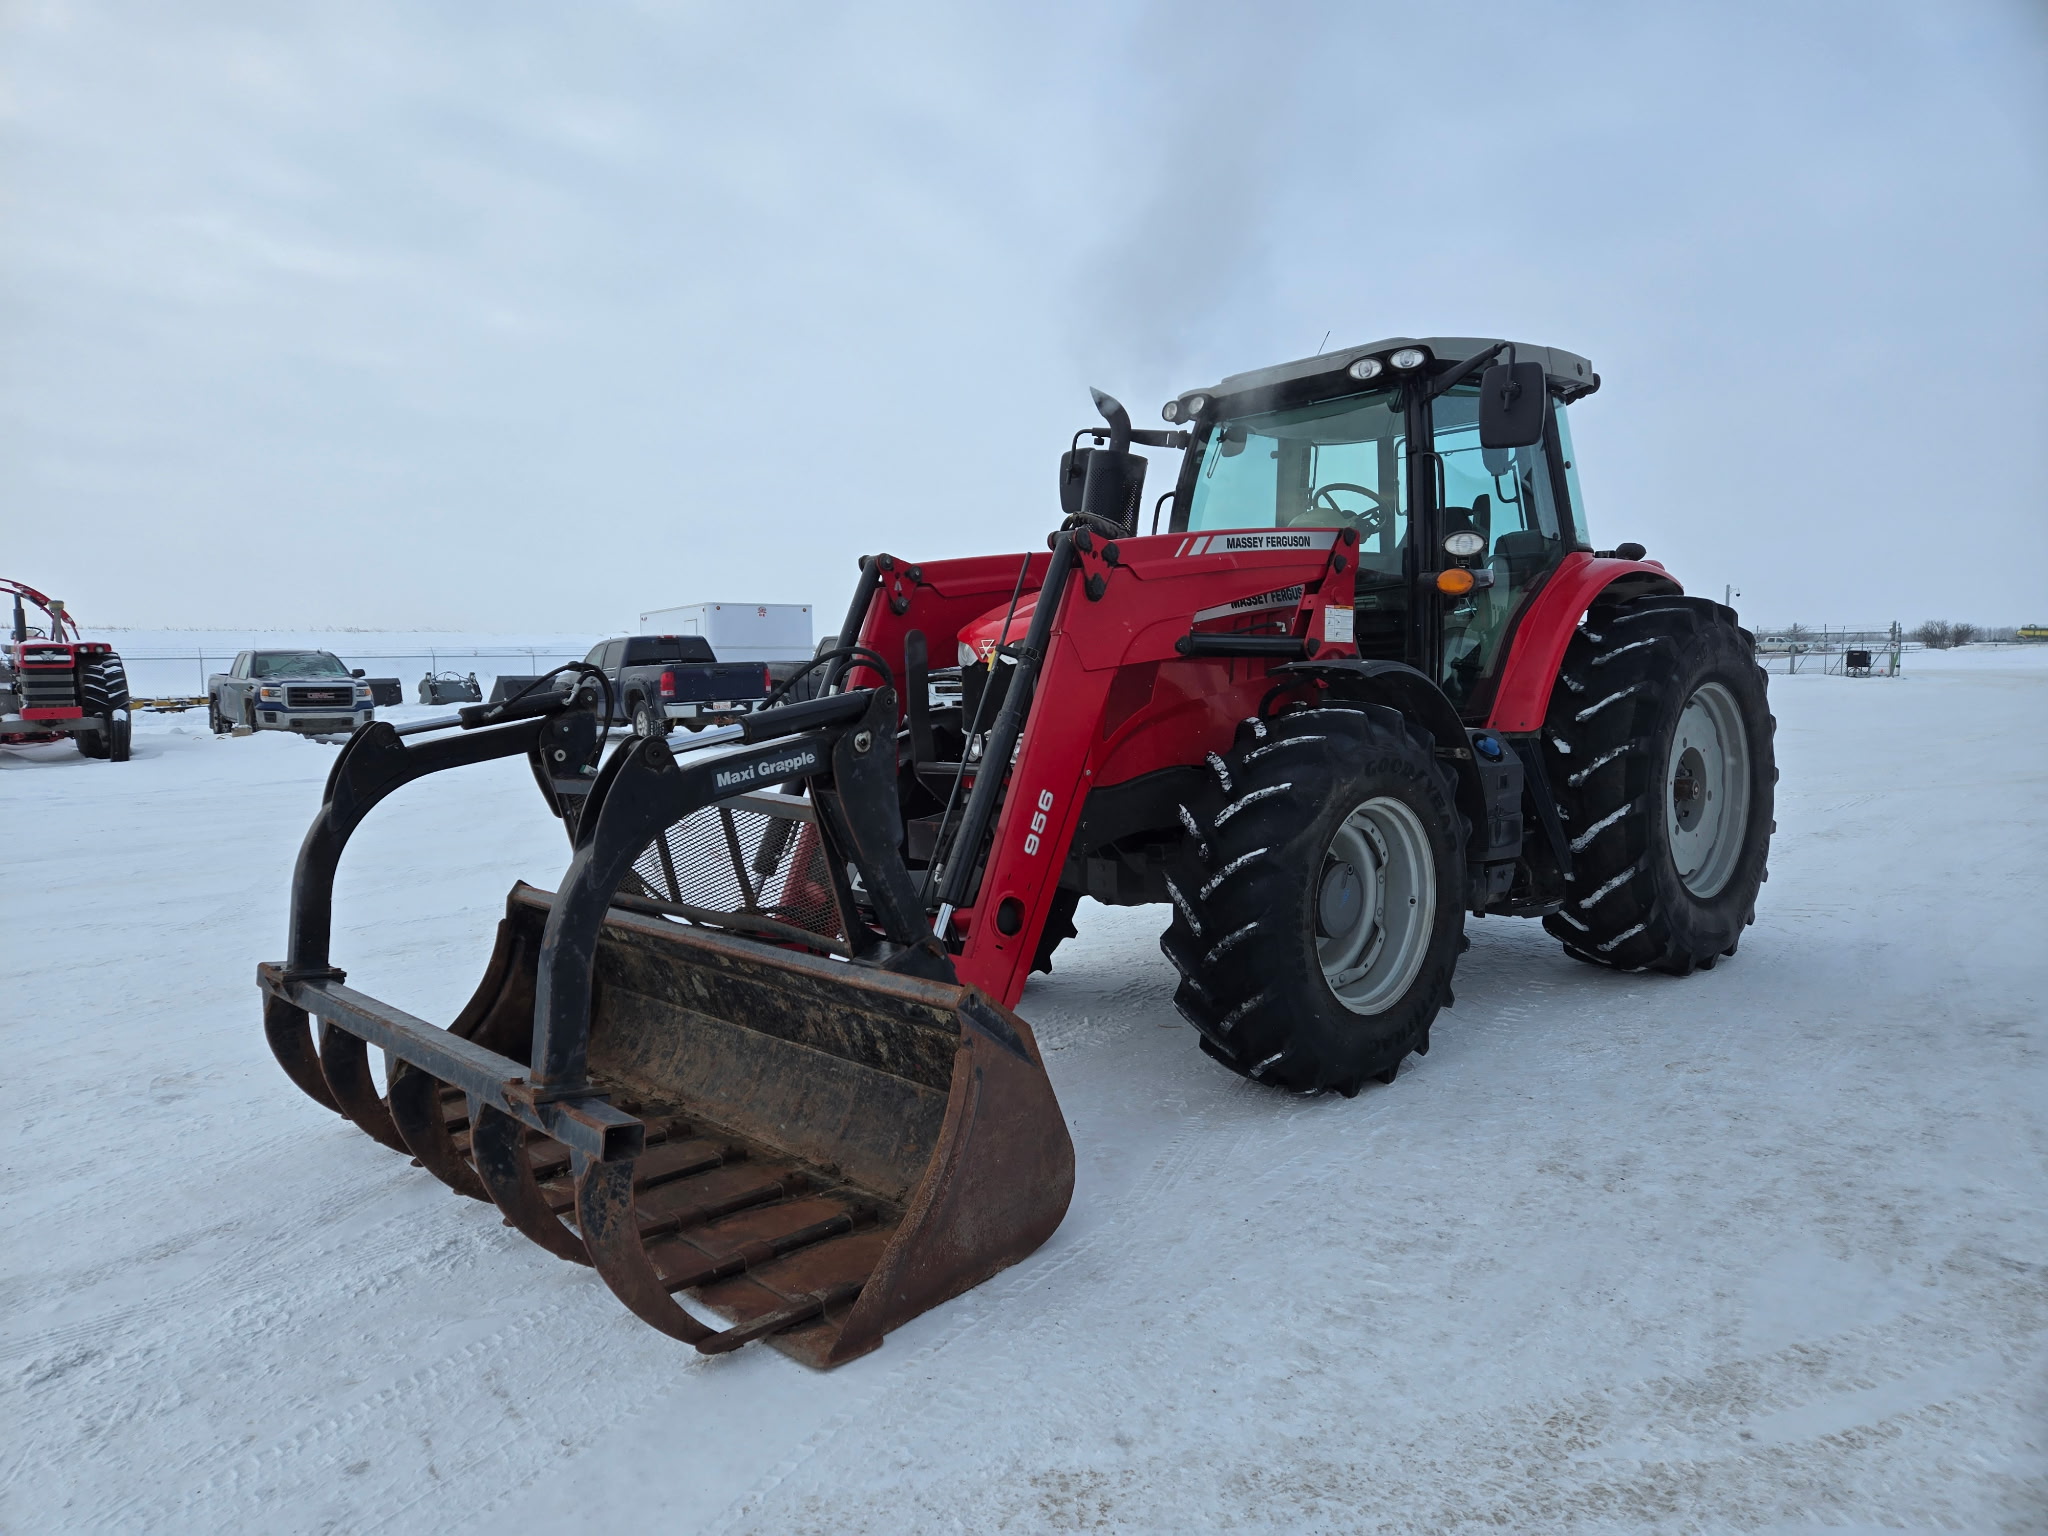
[536, 316]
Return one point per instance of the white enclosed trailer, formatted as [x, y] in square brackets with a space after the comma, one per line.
[740, 631]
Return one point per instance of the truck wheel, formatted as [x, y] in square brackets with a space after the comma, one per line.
[215, 720]
[1658, 745]
[1317, 944]
[646, 722]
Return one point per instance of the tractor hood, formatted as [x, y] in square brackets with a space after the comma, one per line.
[978, 639]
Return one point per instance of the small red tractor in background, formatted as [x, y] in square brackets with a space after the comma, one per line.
[1372, 678]
[54, 683]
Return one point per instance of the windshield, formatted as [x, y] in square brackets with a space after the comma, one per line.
[296, 664]
[1335, 464]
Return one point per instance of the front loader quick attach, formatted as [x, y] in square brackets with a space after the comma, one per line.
[817, 1135]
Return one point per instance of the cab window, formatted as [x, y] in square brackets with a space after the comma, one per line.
[1335, 464]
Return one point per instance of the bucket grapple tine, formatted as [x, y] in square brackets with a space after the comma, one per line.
[290, 1032]
[345, 1065]
[608, 1216]
[416, 1108]
[498, 1143]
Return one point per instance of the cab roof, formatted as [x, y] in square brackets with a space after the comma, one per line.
[1569, 374]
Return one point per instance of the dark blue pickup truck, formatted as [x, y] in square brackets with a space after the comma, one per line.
[662, 681]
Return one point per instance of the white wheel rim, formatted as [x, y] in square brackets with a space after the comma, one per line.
[1706, 791]
[1375, 905]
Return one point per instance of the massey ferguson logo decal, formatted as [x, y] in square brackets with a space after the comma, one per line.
[1285, 597]
[784, 763]
[1244, 543]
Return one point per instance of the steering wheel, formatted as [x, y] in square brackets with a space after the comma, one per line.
[1324, 504]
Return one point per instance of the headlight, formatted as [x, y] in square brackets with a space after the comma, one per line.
[1170, 411]
[966, 654]
[269, 693]
[1464, 544]
[1409, 357]
[1197, 404]
[1365, 368]
[363, 695]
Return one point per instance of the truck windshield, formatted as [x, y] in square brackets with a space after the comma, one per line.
[1335, 464]
[296, 664]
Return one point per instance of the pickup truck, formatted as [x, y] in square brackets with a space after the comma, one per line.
[310, 692]
[662, 681]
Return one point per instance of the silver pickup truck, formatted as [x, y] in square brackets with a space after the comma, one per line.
[310, 692]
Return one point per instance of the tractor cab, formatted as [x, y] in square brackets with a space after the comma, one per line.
[1385, 440]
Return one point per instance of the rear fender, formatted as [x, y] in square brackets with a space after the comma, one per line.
[1537, 650]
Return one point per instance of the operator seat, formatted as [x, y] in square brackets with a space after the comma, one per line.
[1521, 556]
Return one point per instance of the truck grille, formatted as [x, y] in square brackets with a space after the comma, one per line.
[331, 696]
[46, 690]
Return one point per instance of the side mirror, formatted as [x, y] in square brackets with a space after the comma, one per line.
[1511, 406]
[356, 672]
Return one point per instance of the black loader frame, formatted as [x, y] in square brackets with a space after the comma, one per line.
[817, 1139]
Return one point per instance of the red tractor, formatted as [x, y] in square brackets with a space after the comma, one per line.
[53, 683]
[1371, 678]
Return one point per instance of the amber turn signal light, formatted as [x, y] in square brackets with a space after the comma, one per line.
[1455, 582]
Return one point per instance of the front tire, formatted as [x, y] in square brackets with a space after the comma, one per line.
[1659, 747]
[1317, 944]
[103, 693]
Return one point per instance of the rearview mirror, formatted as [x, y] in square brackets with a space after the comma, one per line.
[1511, 405]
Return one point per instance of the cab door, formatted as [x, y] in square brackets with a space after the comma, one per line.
[1512, 498]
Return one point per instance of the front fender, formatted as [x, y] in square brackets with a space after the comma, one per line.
[1537, 649]
[1402, 687]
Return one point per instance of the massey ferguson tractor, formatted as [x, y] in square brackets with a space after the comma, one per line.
[759, 1048]
[54, 683]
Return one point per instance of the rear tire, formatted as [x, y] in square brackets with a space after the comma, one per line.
[1317, 944]
[646, 723]
[1659, 748]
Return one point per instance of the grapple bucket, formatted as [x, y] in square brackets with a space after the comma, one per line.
[829, 1152]
[807, 1137]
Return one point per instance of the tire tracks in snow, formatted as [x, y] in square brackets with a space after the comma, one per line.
[908, 1395]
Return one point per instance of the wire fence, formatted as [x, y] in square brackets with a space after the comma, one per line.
[1836, 652]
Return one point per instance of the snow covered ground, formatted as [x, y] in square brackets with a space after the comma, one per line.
[1763, 1249]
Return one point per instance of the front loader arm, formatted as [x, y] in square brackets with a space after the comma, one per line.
[1120, 607]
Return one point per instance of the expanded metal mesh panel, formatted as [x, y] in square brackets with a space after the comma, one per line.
[732, 859]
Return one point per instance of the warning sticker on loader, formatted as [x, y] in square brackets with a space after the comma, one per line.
[1254, 540]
